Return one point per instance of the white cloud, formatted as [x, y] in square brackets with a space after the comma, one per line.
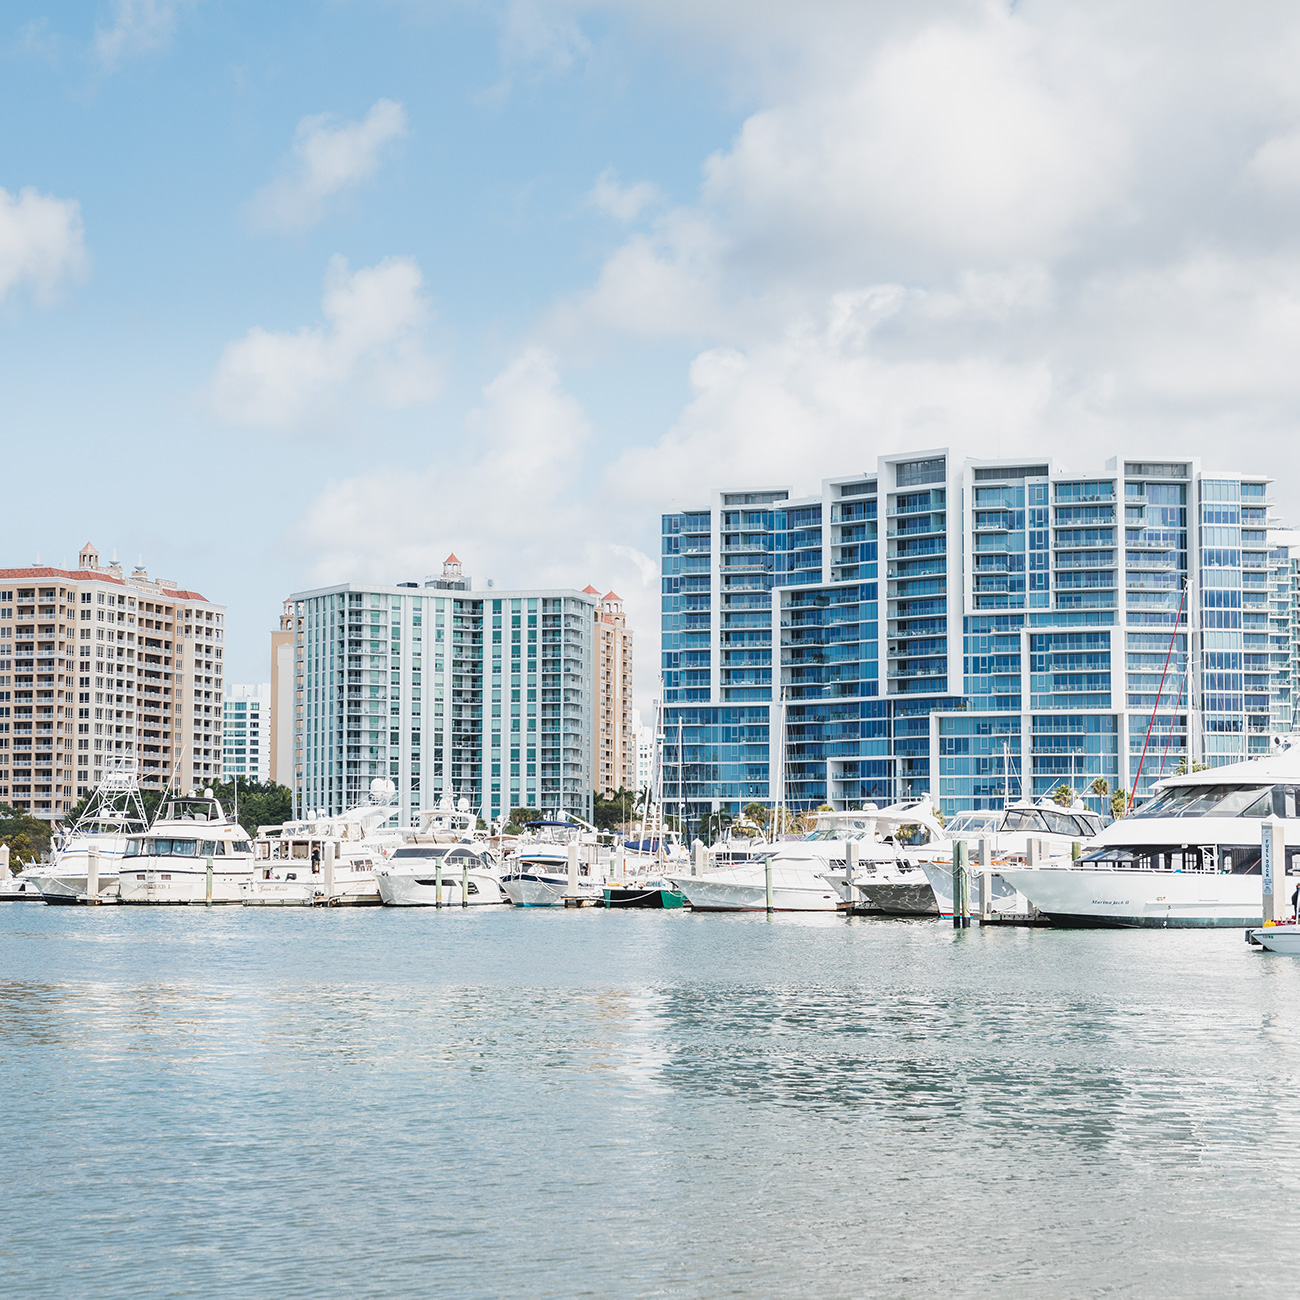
[139, 27]
[41, 243]
[326, 160]
[370, 341]
[512, 497]
[542, 38]
[625, 202]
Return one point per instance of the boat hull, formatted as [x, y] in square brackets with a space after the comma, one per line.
[1005, 898]
[177, 886]
[68, 888]
[900, 898]
[643, 896]
[531, 890]
[708, 895]
[1141, 899]
[1283, 939]
[406, 890]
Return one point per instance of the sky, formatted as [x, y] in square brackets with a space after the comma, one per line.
[299, 294]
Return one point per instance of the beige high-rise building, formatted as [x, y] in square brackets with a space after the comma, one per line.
[615, 757]
[286, 697]
[143, 659]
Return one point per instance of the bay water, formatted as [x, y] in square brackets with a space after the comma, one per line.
[552, 1103]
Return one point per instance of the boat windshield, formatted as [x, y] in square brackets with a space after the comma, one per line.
[424, 851]
[1223, 801]
[964, 823]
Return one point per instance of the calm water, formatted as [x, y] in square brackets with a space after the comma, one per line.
[231, 1102]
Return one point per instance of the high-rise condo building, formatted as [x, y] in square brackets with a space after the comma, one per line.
[489, 696]
[143, 658]
[971, 629]
[615, 759]
[246, 741]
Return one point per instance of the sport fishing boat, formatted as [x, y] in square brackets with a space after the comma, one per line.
[802, 869]
[538, 874]
[113, 813]
[1054, 828]
[290, 860]
[440, 875]
[1189, 857]
[191, 843]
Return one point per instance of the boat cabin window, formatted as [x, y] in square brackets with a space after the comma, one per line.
[1223, 801]
[301, 850]
[1062, 823]
[424, 851]
[966, 822]
[159, 848]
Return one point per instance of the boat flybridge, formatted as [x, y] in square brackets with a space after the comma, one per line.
[113, 813]
[1022, 832]
[443, 864]
[807, 872]
[1188, 857]
[323, 858]
[193, 853]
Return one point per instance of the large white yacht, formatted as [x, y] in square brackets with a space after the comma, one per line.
[289, 860]
[190, 842]
[1189, 857]
[113, 813]
[804, 871]
[1055, 829]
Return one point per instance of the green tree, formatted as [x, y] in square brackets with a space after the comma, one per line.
[520, 817]
[261, 803]
[27, 837]
[613, 811]
[1119, 803]
[1063, 795]
[758, 813]
[1100, 787]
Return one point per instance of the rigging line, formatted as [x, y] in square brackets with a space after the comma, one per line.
[1155, 709]
[1169, 735]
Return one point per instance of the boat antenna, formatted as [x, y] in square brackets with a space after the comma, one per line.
[1173, 636]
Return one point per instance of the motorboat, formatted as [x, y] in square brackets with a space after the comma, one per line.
[538, 873]
[325, 860]
[887, 876]
[193, 853]
[650, 891]
[440, 875]
[19, 889]
[801, 869]
[1026, 831]
[1190, 857]
[113, 813]
[1284, 939]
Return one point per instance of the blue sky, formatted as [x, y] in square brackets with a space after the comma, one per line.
[300, 293]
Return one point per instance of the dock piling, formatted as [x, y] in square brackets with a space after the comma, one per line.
[437, 882]
[573, 870]
[1272, 866]
[207, 897]
[327, 870]
[850, 869]
[464, 884]
[92, 874]
[960, 886]
[5, 873]
[767, 881]
[986, 880]
[697, 857]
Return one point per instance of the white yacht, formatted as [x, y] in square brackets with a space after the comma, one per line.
[1055, 830]
[1189, 857]
[113, 813]
[888, 877]
[1277, 938]
[191, 842]
[538, 874]
[802, 869]
[440, 875]
[290, 866]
